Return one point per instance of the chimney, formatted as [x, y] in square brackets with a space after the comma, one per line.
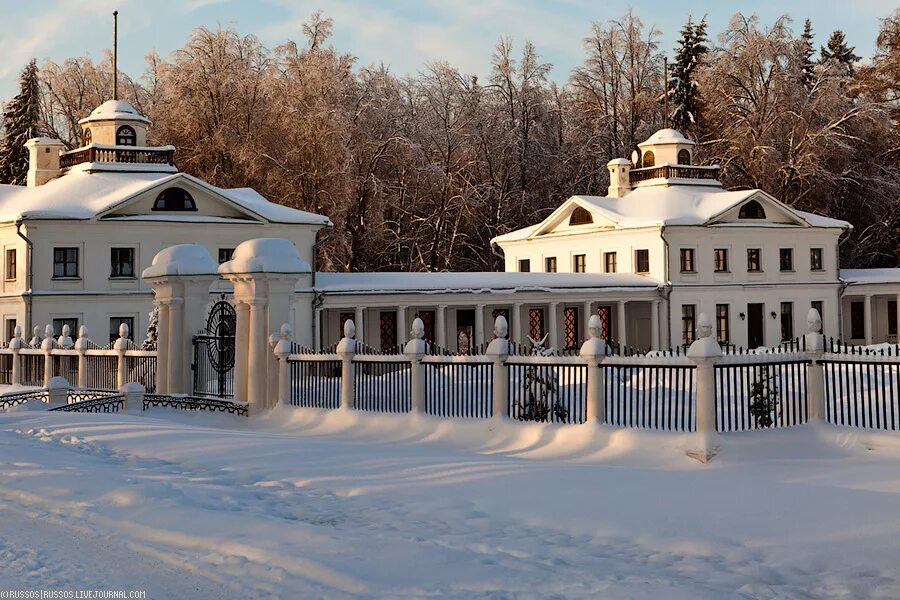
[619, 177]
[43, 160]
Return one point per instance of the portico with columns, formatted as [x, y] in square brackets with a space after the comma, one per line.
[870, 306]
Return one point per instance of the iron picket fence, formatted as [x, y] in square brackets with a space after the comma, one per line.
[140, 367]
[650, 395]
[100, 370]
[547, 389]
[213, 366]
[6, 361]
[314, 383]
[32, 364]
[761, 394]
[458, 388]
[64, 363]
[862, 393]
[382, 383]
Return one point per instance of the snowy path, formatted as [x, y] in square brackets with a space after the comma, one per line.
[110, 500]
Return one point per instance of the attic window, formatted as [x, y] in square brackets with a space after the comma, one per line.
[580, 216]
[752, 210]
[174, 198]
[649, 159]
[684, 156]
[125, 136]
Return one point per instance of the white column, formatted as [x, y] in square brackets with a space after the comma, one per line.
[176, 335]
[162, 348]
[654, 325]
[515, 332]
[258, 352]
[479, 325]
[241, 349]
[621, 332]
[440, 326]
[401, 325]
[553, 324]
[898, 319]
[868, 318]
[360, 323]
[586, 319]
[320, 335]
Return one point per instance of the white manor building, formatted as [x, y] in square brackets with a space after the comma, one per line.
[666, 244]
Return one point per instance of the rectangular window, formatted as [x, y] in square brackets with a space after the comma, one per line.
[688, 323]
[72, 322]
[892, 317]
[609, 262]
[720, 256]
[121, 262]
[857, 320]
[787, 321]
[11, 264]
[387, 326]
[580, 265]
[225, 254]
[571, 327]
[687, 260]
[524, 265]
[723, 334]
[10, 329]
[819, 306]
[642, 261]
[815, 259]
[536, 323]
[550, 264]
[754, 260]
[115, 322]
[65, 262]
[786, 259]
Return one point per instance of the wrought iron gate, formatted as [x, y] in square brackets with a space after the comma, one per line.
[213, 364]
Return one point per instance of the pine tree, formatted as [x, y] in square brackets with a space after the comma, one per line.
[837, 51]
[20, 119]
[150, 337]
[682, 88]
[805, 56]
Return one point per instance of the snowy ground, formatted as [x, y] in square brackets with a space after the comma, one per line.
[307, 503]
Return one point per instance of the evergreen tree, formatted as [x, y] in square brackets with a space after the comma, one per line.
[152, 331]
[20, 120]
[837, 51]
[805, 56]
[682, 89]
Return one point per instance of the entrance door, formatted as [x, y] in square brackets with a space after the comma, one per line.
[755, 323]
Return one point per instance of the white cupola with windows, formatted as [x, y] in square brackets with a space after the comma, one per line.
[667, 158]
[115, 123]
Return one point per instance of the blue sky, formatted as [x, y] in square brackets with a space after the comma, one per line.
[403, 33]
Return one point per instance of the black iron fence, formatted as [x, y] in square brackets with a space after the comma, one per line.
[213, 366]
[382, 385]
[93, 401]
[141, 368]
[17, 398]
[6, 361]
[315, 383]
[458, 389]
[194, 403]
[100, 371]
[862, 393]
[553, 392]
[650, 396]
[761, 394]
[32, 364]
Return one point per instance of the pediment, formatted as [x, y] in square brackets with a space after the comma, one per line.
[574, 216]
[758, 209]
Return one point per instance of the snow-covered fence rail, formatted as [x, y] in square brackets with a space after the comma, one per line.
[862, 390]
[92, 401]
[16, 398]
[458, 386]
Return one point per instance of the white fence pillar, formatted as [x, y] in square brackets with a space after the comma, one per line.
[256, 358]
[815, 371]
[415, 352]
[705, 352]
[346, 348]
[498, 351]
[121, 346]
[81, 347]
[282, 352]
[15, 345]
[47, 347]
[134, 396]
[593, 351]
[162, 345]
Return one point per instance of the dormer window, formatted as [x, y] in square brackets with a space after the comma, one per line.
[125, 136]
[752, 210]
[580, 216]
[649, 159]
[174, 198]
[684, 156]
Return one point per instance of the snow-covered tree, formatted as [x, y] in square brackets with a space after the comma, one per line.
[20, 121]
[152, 334]
[683, 91]
[838, 52]
[805, 51]
[764, 396]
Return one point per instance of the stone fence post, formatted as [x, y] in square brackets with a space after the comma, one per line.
[134, 396]
[15, 345]
[282, 352]
[81, 347]
[57, 391]
[120, 347]
[593, 351]
[47, 347]
[705, 352]
[415, 352]
[815, 371]
[346, 348]
[498, 352]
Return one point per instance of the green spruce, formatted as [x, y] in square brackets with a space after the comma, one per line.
[20, 120]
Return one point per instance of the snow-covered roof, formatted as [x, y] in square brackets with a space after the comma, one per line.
[83, 195]
[115, 110]
[666, 136]
[863, 276]
[478, 282]
[655, 206]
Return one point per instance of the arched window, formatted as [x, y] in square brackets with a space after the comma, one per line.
[174, 198]
[684, 156]
[752, 210]
[125, 136]
[580, 216]
[86, 137]
[649, 159]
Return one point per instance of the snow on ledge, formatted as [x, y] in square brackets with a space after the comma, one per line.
[265, 255]
[182, 259]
